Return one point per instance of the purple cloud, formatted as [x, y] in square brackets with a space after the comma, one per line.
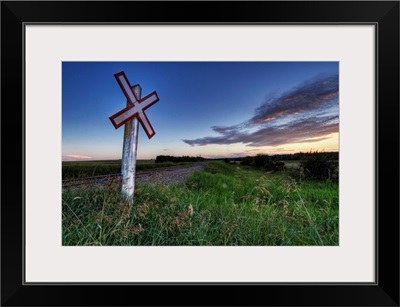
[307, 113]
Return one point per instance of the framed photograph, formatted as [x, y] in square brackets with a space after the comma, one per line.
[280, 120]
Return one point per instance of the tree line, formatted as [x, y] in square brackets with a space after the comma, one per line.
[162, 158]
[312, 165]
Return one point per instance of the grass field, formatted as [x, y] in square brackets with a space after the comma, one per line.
[223, 205]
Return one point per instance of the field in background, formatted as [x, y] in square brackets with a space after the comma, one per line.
[80, 169]
[227, 204]
[291, 164]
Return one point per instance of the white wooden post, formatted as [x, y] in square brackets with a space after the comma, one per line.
[129, 153]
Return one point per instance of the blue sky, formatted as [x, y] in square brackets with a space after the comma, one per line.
[208, 109]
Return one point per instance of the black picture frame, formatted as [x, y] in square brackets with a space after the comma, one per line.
[383, 14]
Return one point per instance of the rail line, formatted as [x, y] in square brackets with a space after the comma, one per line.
[114, 178]
[91, 180]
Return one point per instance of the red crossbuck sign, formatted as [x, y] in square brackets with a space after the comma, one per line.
[136, 106]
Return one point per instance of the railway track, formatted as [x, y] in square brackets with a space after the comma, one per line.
[162, 175]
[102, 179]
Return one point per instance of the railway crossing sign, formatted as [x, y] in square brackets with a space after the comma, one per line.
[135, 108]
[130, 117]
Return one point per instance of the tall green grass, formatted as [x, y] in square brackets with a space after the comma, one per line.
[223, 205]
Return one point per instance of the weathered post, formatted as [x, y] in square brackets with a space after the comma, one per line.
[130, 117]
[129, 152]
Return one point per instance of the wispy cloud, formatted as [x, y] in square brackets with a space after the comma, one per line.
[75, 157]
[307, 113]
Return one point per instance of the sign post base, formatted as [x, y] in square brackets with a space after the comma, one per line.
[129, 154]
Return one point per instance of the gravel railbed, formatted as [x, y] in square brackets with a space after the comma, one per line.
[163, 176]
[168, 175]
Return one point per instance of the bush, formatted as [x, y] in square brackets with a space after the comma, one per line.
[268, 163]
[247, 160]
[318, 166]
[261, 161]
[264, 162]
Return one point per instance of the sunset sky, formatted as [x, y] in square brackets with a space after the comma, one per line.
[208, 109]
